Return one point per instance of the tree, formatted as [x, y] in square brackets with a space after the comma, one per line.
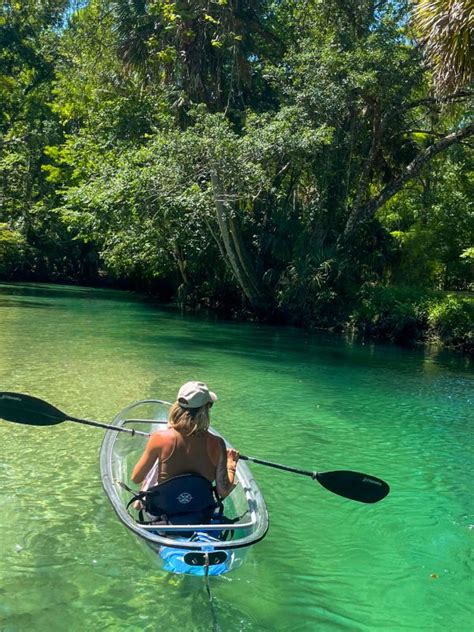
[432, 222]
[29, 36]
[203, 51]
[27, 43]
[445, 28]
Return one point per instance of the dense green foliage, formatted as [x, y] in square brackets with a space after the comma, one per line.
[404, 315]
[280, 159]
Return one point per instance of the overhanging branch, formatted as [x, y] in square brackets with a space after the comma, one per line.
[363, 213]
[435, 102]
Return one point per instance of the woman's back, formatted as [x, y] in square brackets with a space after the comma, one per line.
[193, 454]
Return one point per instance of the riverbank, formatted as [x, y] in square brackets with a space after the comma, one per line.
[411, 316]
[399, 315]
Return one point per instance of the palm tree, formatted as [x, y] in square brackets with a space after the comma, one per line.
[445, 28]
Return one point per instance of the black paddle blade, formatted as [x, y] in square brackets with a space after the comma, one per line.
[25, 409]
[354, 485]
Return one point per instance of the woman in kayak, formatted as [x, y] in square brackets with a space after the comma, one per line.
[187, 446]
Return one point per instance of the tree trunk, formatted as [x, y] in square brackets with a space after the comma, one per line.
[233, 246]
[181, 263]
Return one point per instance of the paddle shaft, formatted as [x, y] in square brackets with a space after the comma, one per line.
[278, 466]
[107, 426]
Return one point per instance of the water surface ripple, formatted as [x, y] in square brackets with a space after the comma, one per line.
[312, 401]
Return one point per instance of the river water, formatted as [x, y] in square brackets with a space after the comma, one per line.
[312, 401]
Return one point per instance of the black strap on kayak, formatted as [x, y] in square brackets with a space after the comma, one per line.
[125, 486]
[215, 624]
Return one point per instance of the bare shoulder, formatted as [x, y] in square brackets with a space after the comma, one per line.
[216, 446]
[161, 437]
[214, 440]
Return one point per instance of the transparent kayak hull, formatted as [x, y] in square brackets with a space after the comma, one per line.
[206, 552]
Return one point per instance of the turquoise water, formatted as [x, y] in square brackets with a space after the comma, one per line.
[316, 402]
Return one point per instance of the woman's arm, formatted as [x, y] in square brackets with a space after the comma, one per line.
[148, 459]
[226, 467]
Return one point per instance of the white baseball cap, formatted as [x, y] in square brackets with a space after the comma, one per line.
[195, 395]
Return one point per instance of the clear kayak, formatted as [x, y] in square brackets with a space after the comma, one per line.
[203, 549]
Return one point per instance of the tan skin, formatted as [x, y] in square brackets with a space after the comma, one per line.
[160, 444]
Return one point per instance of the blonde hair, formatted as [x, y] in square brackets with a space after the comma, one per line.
[189, 421]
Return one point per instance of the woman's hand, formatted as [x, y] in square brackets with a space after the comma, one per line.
[232, 458]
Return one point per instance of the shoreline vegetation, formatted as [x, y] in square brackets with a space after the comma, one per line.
[305, 164]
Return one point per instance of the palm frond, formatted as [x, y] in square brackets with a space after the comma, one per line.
[445, 28]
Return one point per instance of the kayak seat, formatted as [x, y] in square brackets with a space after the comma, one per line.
[185, 499]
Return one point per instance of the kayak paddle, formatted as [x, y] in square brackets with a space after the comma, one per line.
[25, 409]
[352, 485]
[32, 411]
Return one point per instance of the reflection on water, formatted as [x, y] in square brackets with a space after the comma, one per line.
[23, 303]
[311, 401]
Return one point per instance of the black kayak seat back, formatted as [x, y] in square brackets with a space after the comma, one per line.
[185, 499]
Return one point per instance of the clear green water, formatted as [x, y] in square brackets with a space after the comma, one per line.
[317, 402]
